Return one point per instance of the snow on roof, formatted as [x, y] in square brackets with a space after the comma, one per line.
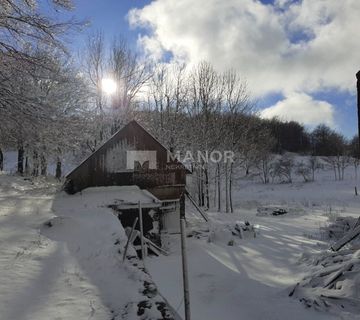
[124, 197]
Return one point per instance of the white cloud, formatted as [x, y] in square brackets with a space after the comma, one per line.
[258, 40]
[152, 47]
[302, 108]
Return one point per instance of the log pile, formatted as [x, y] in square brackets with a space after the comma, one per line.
[334, 278]
[279, 210]
[333, 282]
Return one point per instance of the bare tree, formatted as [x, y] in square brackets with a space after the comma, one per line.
[166, 100]
[131, 75]
[236, 107]
[206, 95]
[265, 165]
[284, 166]
[338, 164]
[58, 95]
[95, 65]
[23, 26]
[355, 162]
[26, 37]
[23, 30]
[314, 165]
[1, 160]
[301, 169]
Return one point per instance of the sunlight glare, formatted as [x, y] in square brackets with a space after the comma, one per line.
[108, 85]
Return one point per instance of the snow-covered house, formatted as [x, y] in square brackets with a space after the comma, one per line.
[132, 156]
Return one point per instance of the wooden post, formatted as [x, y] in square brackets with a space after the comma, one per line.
[358, 114]
[129, 239]
[182, 205]
[185, 270]
[358, 108]
[141, 233]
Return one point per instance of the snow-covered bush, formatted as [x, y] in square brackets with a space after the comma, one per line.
[283, 168]
[304, 171]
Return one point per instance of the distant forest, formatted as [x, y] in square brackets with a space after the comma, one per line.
[292, 136]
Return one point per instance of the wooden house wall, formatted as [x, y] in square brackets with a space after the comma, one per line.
[95, 170]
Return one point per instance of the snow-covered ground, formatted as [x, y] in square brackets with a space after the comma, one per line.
[61, 257]
[59, 254]
[252, 279]
[248, 280]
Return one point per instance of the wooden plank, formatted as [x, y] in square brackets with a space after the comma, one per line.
[129, 238]
[203, 214]
[141, 233]
[338, 274]
[153, 250]
[352, 234]
[357, 223]
[293, 290]
[153, 245]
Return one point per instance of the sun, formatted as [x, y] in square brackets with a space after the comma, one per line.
[108, 85]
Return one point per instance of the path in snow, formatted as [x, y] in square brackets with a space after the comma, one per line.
[39, 279]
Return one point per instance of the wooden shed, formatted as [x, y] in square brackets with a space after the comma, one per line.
[132, 156]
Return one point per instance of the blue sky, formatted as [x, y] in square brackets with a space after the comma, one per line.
[297, 56]
[109, 16]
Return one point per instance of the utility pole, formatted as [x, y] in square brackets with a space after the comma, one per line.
[358, 109]
[141, 233]
[184, 257]
[185, 270]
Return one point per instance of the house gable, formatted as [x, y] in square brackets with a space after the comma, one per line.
[131, 156]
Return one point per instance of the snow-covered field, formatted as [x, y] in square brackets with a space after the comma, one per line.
[59, 254]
